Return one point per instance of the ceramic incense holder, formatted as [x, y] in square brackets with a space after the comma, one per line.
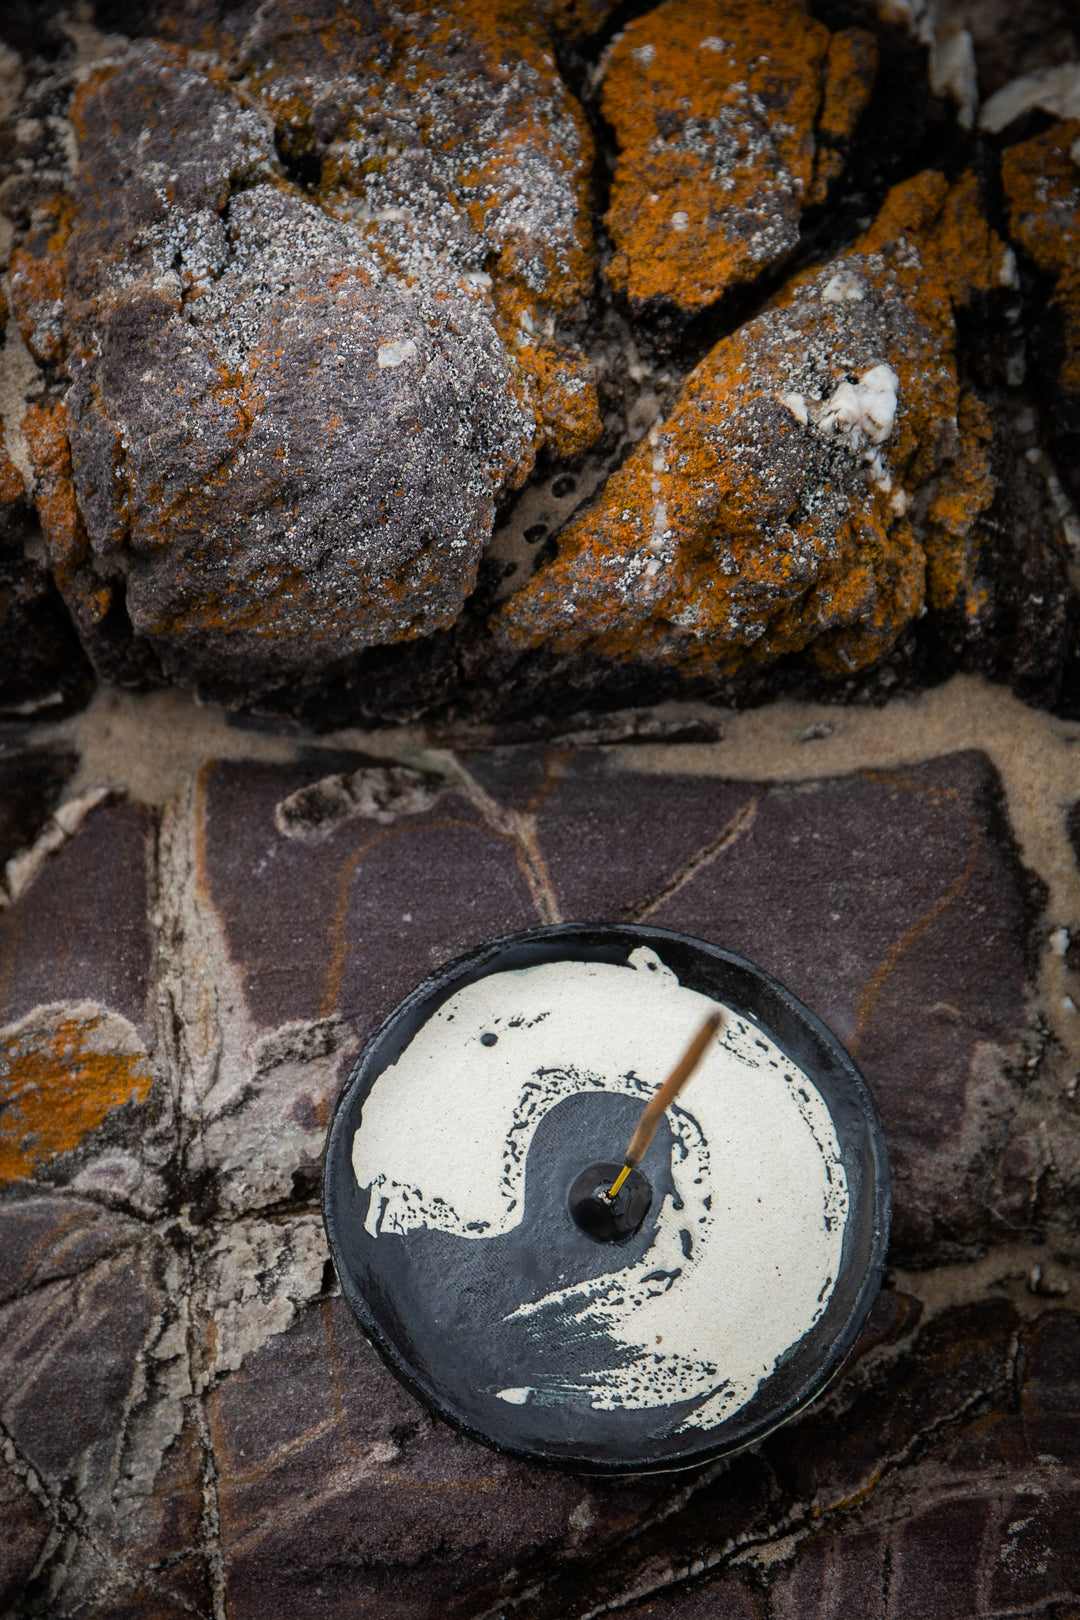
[463, 1199]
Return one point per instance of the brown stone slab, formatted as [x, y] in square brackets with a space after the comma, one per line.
[43, 1239]
[350, 923]
[325, 1464]
[81, 931]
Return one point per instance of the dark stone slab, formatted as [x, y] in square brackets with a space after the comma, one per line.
[350, 923]
[326, 1464]
[31, 782]
[68, 1364]
[24, 1525]
[43, 1239]
[80, 932]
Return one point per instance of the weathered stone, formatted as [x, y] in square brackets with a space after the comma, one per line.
[82, 1102]
[30, 785]
[877, 1501]
[714, 108]
[346, 924]
[43, 669]
[1041, 178]
[81, 932]
[363, 363]
[326, 1463]
[818, 482]
[45, 1238]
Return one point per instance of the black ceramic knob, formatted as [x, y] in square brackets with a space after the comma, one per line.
[604, 1219]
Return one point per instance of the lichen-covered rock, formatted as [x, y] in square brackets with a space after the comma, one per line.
[280, 452]
[817, 482]
[730, 116]
[43, 669]
[1041, 178]
[448, 137]
[318, 289]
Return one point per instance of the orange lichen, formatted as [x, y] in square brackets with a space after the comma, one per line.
[36, 279]
[12, 493]
[850, 70]
[557, 384]
[538, 254]
[714, 105]
[759, 519]
[62, 1071]
[1041, 178]
[45, 429]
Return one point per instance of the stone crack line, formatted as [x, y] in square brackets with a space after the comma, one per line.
[673, 1505]
[518, 827]
[802, 1520]
[739, 825]
[210, 1521]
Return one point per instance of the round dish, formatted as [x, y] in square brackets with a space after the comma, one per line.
[483, 1295]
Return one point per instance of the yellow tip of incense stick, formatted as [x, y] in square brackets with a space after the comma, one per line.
[620, 1178]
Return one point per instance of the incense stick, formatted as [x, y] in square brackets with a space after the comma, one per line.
[662, 1100]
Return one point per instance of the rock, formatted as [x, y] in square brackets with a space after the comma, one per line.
[43, 669]
[67, 1067]
[364, 334]
[1041, 178]
[818, 482]
[80, 932]
[715, 109]
[85, 1106]
[352, 1478]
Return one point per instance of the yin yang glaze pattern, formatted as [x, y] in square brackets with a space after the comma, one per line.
[466, 1147]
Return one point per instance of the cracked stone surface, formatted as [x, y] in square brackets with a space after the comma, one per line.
[375, 362]
[209, 921]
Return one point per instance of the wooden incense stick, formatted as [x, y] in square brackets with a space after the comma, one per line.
[662, 1100]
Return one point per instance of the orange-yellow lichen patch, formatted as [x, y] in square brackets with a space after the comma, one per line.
[850, 70]
[63, 1069]
[45, 429]
[12, 492]
[1042, 183]
[769, 512]
[36, 280]
[714, 105]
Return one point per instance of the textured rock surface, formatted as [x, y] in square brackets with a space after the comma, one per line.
[42, 666]
[328, 323]
[279, 454]
[718, 111]
[192, 1422]
[819, 481]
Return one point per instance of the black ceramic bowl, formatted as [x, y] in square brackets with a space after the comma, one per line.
[413, 1302]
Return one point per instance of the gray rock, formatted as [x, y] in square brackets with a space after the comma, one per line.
[286, 452]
